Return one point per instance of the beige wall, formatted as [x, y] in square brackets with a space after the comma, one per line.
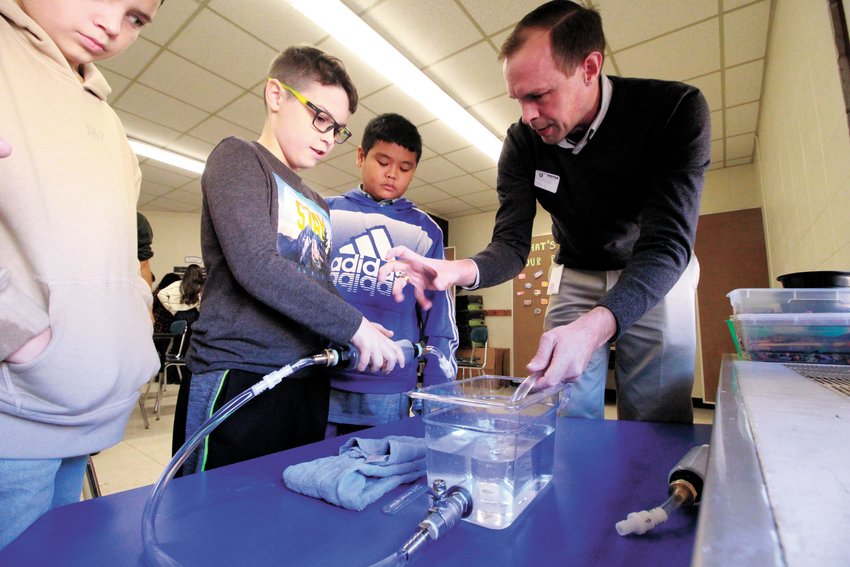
[175, 236]
[803, 146]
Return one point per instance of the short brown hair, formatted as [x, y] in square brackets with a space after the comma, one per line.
[300, 64]
[576, 32]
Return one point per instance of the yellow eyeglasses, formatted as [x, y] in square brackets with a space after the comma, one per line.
[322, 120]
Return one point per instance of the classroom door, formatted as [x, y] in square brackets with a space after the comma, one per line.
[732, 254]
[530, 301]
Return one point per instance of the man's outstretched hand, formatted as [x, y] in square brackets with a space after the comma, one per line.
[424, 273]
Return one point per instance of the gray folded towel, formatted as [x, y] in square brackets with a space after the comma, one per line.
[364, 470]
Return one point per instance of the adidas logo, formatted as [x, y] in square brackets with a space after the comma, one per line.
[356, 267]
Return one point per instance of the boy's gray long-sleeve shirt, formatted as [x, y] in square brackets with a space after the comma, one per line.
[265, 235]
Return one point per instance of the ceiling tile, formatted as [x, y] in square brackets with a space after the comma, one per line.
[346, 162]
[159, 108]
[393, 99]
[471, 76]
[357, 124]
[439, 31]
[215, 129]
[450, 206]
[146, 131]
[492, 20]
[151, 190]
[440, 138]
[711, 87]
[187, 197]
[170, 17]
[745, 33]
[116, 82]
[696, 48]
[470, 159]
[329, 176]
[717, 153]
[437, 169]
[636, 21]
[739, 146]
[462, 185]
[483, 199]
[192, 147]
[133, 60]
[156, 172]
[366, 79]
[247, 110]
[739, 161]
[717, 125]
[488, 176]
[497, 114]
[743, 83]
[273, 22]
[210, 41]
[166, 204]
[426, 194]
[186, 81]
[742, 119]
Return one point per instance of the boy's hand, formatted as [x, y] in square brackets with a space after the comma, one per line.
[377, 351]
[5, 148]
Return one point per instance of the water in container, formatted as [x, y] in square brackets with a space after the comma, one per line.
[501, 451]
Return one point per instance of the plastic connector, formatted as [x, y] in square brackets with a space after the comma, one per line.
[641, 522]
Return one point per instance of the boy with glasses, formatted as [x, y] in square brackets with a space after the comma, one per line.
[268, 299]
[75, 325]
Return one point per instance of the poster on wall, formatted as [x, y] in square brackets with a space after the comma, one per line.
[530, 299]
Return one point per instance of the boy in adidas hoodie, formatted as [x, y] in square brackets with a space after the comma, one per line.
[75, 326]
[368, 221]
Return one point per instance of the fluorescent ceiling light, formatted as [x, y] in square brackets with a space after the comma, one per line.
[347, 28]
[143, 149]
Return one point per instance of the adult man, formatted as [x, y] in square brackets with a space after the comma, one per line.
[619, 163]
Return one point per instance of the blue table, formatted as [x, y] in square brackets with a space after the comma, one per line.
[244, 515]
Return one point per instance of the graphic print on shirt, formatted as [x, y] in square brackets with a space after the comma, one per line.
[355, 266]
[303, 231]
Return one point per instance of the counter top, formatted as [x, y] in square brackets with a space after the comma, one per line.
[777, 486]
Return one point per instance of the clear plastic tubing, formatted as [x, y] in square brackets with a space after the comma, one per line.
[153, 552]
[330, 357]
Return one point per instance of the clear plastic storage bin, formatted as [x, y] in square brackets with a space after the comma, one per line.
[502, 452]
[816, 338]
[784, 300]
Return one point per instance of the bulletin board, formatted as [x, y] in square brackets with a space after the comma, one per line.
[530, 300]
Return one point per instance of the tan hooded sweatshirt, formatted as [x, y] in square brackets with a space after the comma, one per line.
[67, 254]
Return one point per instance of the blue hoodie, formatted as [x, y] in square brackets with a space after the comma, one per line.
[364, 230]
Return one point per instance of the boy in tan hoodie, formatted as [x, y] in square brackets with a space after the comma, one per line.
[75, 329]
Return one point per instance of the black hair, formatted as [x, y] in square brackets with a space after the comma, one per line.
[192, 284]
[395, 129]
[576, 32]
[300, 64]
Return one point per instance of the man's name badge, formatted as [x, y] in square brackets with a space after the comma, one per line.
[546, 181]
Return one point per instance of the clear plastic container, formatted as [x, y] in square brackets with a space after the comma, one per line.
[501, 451]
[789, 300]
[817, 338]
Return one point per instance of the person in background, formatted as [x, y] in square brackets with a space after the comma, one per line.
[268, 298]
[368, 221]
[72, 356]
[619, 163]
[162, 317]
[183, 298]
[144, 234]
